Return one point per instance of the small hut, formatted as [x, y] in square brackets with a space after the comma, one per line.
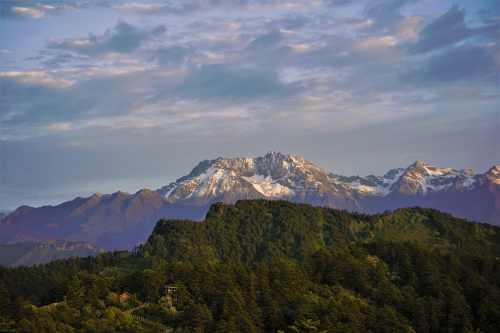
[125, 297]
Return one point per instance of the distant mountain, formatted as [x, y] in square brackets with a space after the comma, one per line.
[113, 221]
[278, 176]
[30, 253]
[121, 220]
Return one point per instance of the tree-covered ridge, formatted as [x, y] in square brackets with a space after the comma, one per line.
[274, 266]
[382, 286]
[252, 230]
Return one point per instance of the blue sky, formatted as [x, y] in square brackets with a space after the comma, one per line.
[98, 96]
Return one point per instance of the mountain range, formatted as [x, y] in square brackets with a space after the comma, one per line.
[122, 220]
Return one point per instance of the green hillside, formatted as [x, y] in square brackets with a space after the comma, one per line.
[253, 230]
[274, 266]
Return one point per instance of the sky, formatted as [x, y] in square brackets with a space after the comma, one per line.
[101, 96]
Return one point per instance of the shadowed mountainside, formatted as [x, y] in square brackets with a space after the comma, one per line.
[115, 221]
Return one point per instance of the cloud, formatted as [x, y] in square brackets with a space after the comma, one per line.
[290, 22]
[376, 43]
[125, 38]
[59, 127]
[41, 78]
[144, 9]
[449, 29]
[5, 51]
[30, 9]
[54, 99]
[179, 7]
[265, 41]
[385, 15]
[462, 63]
[445, 30]
[220, 83]
[55, 62]
[27, 12]
[173, 55]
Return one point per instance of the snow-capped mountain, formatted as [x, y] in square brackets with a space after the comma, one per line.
[121, 220]
[279, 176]
[274, 176]
[418, 179]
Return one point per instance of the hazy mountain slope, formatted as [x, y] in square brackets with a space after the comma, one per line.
[20, 238]
[9, 254]
[31, 253]
[119, 220]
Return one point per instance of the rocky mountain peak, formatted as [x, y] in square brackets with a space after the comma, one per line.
[493, 174]
[274, 175]
[144, 191]
[418, 164]
[467, 172]
[494, 170]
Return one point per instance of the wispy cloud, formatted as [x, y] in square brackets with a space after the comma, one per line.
[124, 38]
[31, 9]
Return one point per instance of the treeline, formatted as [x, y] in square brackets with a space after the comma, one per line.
[380, 287]
[44, 283]
[270, 266]
[253, 230]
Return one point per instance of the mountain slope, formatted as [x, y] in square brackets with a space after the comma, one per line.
[114, 221]
[30, 253]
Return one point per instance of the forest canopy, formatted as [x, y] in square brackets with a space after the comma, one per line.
[271, 266]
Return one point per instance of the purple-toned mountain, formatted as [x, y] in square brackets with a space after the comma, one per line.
[113, 221]
[121, 220]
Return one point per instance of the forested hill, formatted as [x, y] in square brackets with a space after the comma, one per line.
[253, 230]
[274, 266]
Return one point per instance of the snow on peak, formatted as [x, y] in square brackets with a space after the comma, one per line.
[418, 163]
[276, 175]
